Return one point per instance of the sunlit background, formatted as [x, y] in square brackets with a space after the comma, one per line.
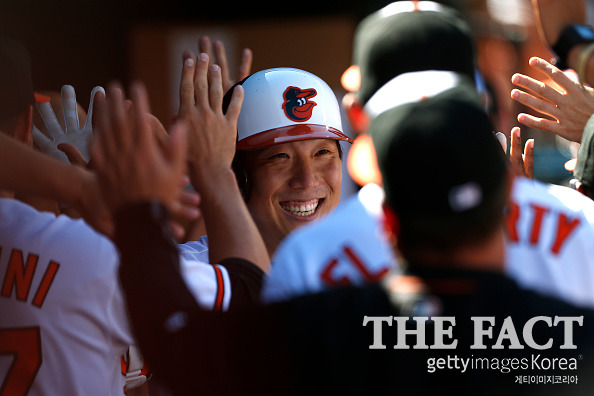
[88, 43]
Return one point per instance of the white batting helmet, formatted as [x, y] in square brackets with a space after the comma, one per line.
[284, 105]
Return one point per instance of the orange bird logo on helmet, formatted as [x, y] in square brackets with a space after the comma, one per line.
[297, 105]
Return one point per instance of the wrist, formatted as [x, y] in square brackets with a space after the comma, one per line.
[85, 182]
[205, 173]
[211, 182]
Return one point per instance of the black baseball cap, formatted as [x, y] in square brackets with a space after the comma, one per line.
[439, 158]
[16, 84]
[584, 166]
[404, 37]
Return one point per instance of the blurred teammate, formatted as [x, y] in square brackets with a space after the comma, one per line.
[63, 326]
[389, 69]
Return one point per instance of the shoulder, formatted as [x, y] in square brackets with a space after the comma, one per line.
[526, 191]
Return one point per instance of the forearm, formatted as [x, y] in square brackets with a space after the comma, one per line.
[27, 171]
[230, 227]
[157, 298]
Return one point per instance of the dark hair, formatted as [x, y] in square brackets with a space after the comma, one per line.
[448, 233]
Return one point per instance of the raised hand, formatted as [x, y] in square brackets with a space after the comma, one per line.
[570, 107]
[74, 134]
[133, 166]
[217, 55]
[522, 161]
[212, 134]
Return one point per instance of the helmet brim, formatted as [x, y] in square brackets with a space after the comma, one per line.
[291, 133]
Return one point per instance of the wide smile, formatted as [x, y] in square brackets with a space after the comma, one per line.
[302, 209]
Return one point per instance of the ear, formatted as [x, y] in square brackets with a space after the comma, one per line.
[356, 115]
[391, 225]
[24, 126]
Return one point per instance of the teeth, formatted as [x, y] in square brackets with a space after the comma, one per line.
[302, 210]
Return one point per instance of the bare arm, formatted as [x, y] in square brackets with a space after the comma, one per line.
[211, 148]
[27, 171]
[552, 16]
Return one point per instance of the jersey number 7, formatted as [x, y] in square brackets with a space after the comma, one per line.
[25, 346]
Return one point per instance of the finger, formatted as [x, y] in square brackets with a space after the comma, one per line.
[204, 46]
[190, 198]
[177, 149]
[542, 106]
[177, 230]
[93, 109]
[201, 81]
[541, 89]
[96, 91]
[515, 152]
[552, 72]
[129, 108]
[180, 211]
[71, 122]
[40, 139]
[186, 88]
[49, 118]
[101, 142]
[529, 158]
[119, 124]
[215, 91]
[141, 130]
[540, 123]
[187, 54]
[235, 104]
[74, 155]
[220, 58]
[245, 67]
[184, 181]
[502, 140]
[157, 128]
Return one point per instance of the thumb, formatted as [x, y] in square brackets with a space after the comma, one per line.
[74, 155]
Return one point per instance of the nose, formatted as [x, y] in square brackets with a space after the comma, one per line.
[304, 175]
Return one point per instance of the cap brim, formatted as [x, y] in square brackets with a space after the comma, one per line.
[290, 133]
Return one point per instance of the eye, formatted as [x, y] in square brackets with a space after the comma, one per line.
[278, 155]
[323, 151]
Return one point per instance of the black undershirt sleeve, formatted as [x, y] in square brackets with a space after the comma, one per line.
[246, 282]
[188, 348]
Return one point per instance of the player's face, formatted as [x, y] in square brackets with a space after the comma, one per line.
[292, 184]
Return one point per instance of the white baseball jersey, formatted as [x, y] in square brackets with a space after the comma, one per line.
[210, 284]
[63, 323]
[347, 247]
[550, 241]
